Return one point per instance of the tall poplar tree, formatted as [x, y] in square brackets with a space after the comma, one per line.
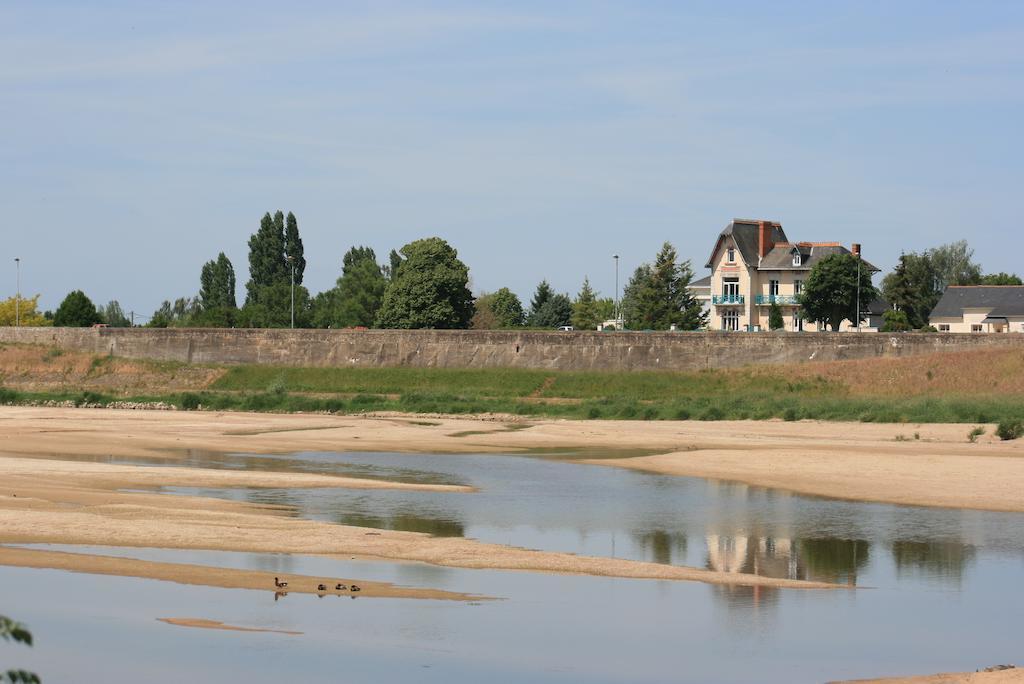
[293, 249]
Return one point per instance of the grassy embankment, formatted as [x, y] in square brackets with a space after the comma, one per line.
[965, 387]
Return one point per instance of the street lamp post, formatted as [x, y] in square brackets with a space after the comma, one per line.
[17, 296]
[291, 260]
[616, 312]
[858, 293]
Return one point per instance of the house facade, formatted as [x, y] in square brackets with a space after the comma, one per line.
[754, 264]
[980, 309]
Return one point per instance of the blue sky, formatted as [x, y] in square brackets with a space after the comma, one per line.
[138, 140]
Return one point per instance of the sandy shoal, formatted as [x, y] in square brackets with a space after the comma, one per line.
[1012, 676]
[929, 465]
[44, 499]
[203, 623]
[225, 578]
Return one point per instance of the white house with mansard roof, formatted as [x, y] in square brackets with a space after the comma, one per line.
[753, 264]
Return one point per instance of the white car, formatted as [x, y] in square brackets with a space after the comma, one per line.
[566, 328]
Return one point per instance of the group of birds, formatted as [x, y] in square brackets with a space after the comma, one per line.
[321, 588]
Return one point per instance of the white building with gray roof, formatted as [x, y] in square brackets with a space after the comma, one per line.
[980, 309]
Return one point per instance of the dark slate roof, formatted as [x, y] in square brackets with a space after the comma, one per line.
[877, 307]
[781, 256]
[1004, 300]
[703, 282]
[744, 232]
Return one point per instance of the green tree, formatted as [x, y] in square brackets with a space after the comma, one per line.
[895, 321]
[555, 312]
[830, 292]
[217, 284]
[484, 317]
[267, 264]
[508, 309]
[19, 634]
[429, 289]
[273, 310]
[954, 265]
[586, 310]
[1001, 279]
[391, 269]
[76, 311]
[541, 296]
[775, 320]
[22, 311]
[180, 314]
[912, 287]
[293, 250]
[356, 298]
[113, 315]
[638, 298]
[658, 295]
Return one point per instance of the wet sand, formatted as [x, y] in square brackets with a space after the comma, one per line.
[1014, 676]
[864, 461]
[202, 623]
[225, 578]
[47, 500]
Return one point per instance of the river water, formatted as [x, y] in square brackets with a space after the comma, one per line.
[936, 589]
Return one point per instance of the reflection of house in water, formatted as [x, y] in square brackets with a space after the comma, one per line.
[767, 556]
[826, 560]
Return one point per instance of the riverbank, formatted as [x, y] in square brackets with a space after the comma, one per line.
[926, 464]
[980, 386]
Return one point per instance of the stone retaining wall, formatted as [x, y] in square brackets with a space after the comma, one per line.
[497, 348]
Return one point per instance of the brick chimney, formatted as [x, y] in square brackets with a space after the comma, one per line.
[764, 238]
[855, 248]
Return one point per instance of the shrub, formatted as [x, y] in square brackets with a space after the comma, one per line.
[277, 386]
[1010, 429]
[974, 434]
[190, 401]
[790, 414]
[681, 414]
[712, 413]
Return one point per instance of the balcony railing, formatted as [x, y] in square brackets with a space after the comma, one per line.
[727, 299]
[777, 299]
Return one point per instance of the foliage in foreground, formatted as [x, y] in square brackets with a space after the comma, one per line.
[19, 634]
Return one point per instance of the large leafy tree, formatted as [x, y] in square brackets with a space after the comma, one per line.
[114, 316]
[912, 288]
[273, 310]
[217, 284]
[501, 309]
[429, 288]
[954, 265]
[183, 312]
[507, 307]
[76, 311]
[586, 310]
[1001, 279]
[356, 298]
[658, 295]
[830, 292]
[24, 310]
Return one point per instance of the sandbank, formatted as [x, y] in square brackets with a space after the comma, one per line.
[225, 578]
[1011, 676]
[203, 623]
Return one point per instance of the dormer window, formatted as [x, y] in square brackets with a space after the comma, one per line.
[797, 258]
[730, 255]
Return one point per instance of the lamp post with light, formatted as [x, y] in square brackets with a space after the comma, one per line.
[616, 312]
[17, 296]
